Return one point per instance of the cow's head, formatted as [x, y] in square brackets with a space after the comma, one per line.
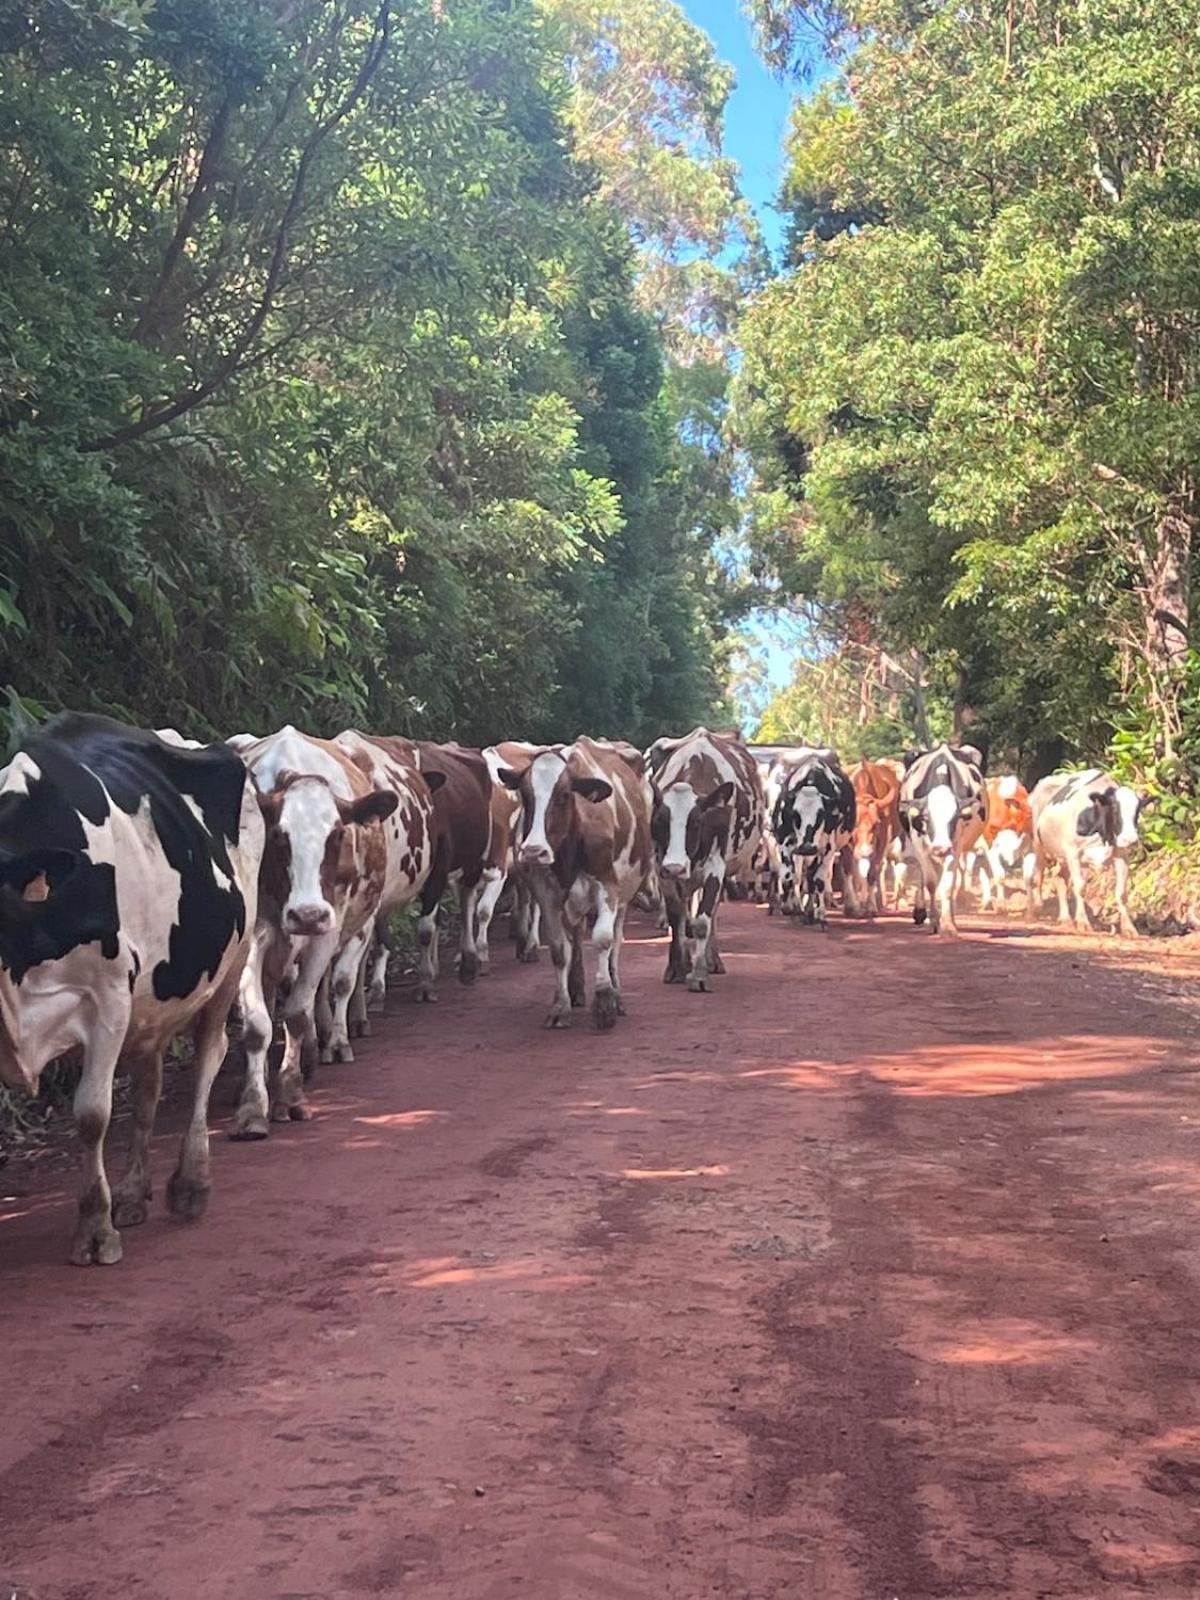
[803, 806]
[939, 815]
[1110, 816]
[688, 826]
[548, 789]
[309, 859]
[870, 831]
[50, 901]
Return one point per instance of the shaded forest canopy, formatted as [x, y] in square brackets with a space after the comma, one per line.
[367, 363]
[335, 383]
[971, 393]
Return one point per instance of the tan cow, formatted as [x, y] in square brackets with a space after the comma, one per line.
[410, 838]
[585, 843]
[323, 871]
[877, 797]
[707, 825]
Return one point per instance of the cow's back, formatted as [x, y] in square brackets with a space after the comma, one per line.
[176, 831]
[462, 806]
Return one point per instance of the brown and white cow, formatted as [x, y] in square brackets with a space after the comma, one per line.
[410, 838]
[324, 868]
[506, 828]
[707, 825]
[462, 809]
[877, 823]
[585, 843]
[1004, 851]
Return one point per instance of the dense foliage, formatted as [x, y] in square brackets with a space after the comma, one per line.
[329, 391]
[971, 396]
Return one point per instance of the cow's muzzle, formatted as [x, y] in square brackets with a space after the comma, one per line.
[806, 849]
[674, 869]
[536, 855]
[307, 921]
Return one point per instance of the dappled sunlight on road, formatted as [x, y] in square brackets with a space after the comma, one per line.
[402, 1119]
[1006, 1341]
[675, 1172]
[444, 1271]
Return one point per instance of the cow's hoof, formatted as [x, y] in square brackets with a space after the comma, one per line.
[919, 915]
[529, 957]
[675, 974]
[468, 968]
[426, 995]
[249, 1125]
[341, 1052]
[559, 1019]
[99, 1249]
[300, 1112]
[186, 1198]
[360, 1028]
[129, 1210]
[718, 966]
[605, 1008]
[699, 984]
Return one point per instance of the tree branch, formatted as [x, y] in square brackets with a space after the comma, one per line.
[170, 410]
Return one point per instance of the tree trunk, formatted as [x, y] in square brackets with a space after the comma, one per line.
[1166, 601]
[920, 719]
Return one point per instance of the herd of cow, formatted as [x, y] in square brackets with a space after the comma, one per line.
[150, 885]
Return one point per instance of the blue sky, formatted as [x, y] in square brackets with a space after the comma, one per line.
[756, 119]
[755, 124]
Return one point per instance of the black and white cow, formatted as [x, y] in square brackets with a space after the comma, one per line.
[812, 821]
[943, 807]
[128, 889]
[1082, 821]
[706, 823]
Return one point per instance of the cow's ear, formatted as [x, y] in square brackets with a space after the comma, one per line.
[593, 789]
[371, 807]
[721, 796]
[434, 780]
[36, 874]
[509, 777]
[909, 757]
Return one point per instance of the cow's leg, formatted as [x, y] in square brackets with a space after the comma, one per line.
[615, 958]
[377, 961]
[187, 1192]
[699, 978]
[605, 997]
[491, 888]
[323, 1022]
[358, 1022]
[95, 1237]
[468, 953]
[948, 885]
[560, 943]
[1121, 896]
[130, 1197]
[256, 998]
[1083, 922]
[576, 983]
[675, 901]
[300, 1029]
[343, 976]
[1035, 872]
[427, 939]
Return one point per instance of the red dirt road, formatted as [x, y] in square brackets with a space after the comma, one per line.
[872, 1275]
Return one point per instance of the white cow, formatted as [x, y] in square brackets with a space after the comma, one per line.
[1082, 821]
